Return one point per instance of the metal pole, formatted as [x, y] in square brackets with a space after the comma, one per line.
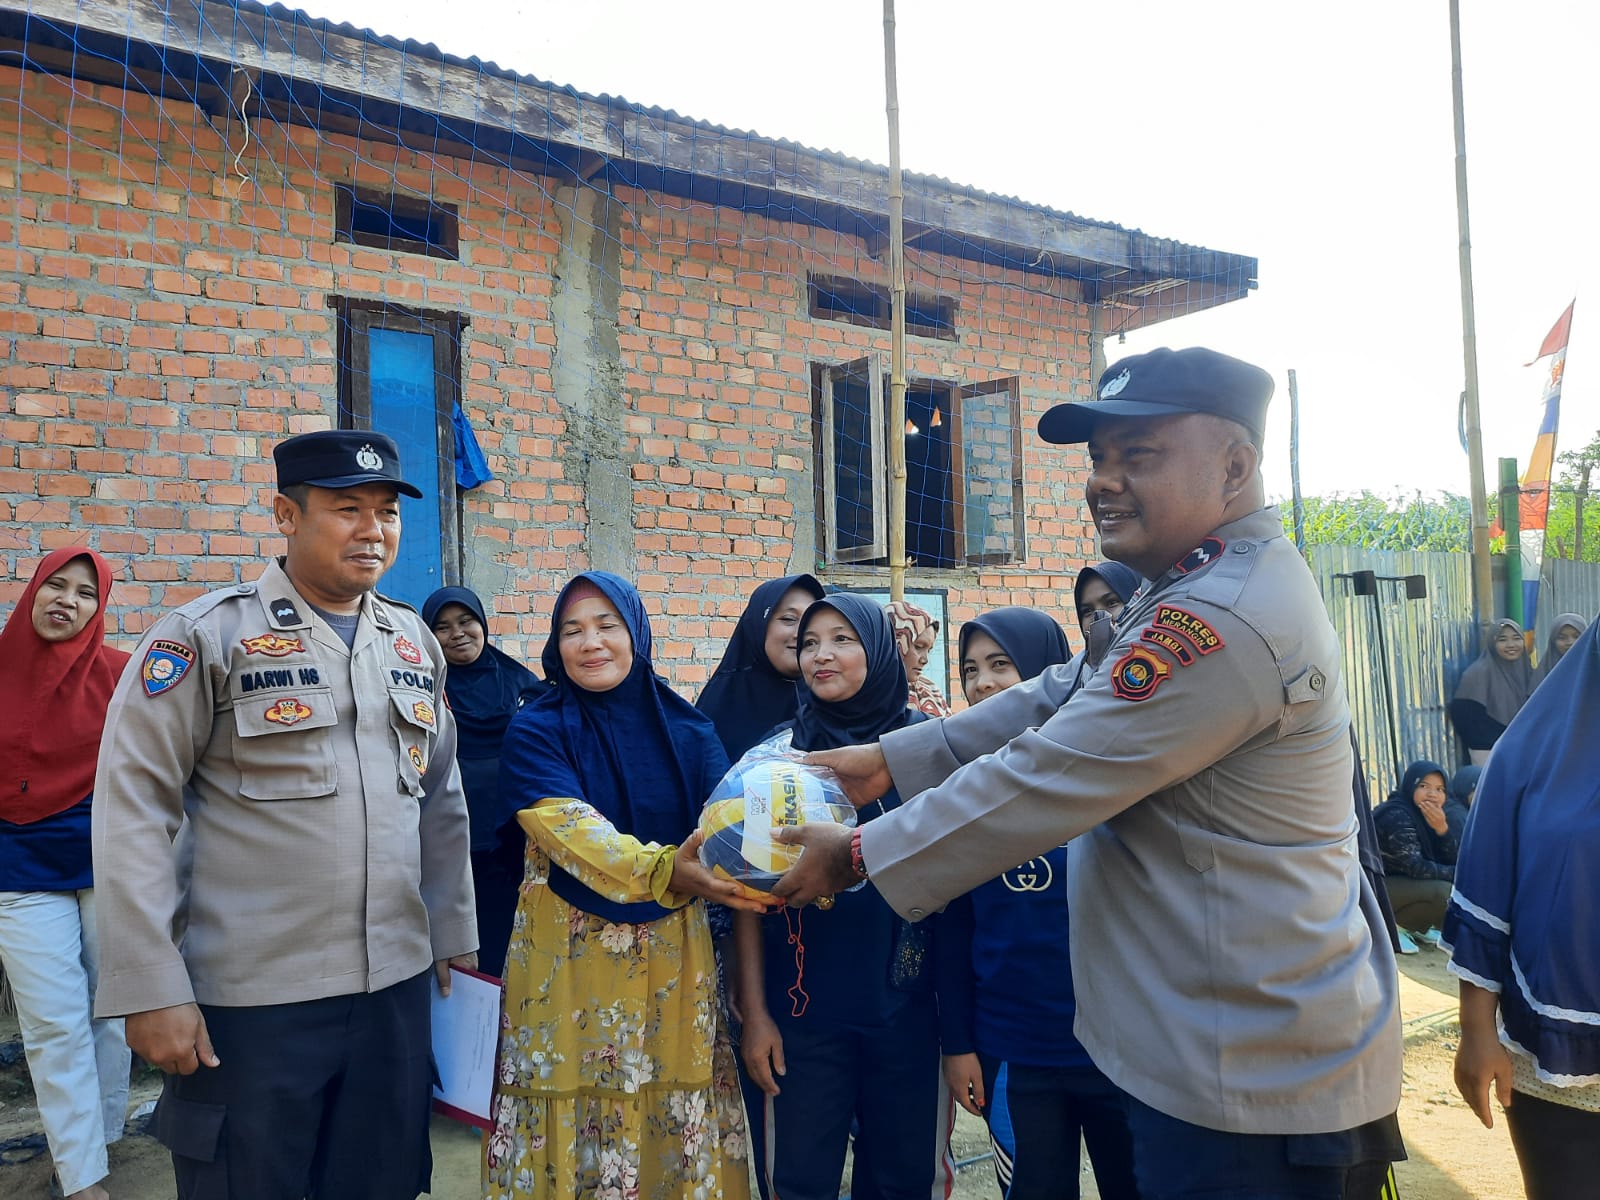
[1388, 677]
[1511, 522]
[897, 323]
[1294, 463]
[1482, 578]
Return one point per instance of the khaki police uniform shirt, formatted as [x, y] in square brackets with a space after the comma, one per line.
[324, 846]
[1223, 954]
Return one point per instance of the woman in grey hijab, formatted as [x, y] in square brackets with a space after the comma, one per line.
[1567, 629]
[1492, 690]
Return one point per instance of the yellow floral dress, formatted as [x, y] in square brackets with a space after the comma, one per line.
[616, 1077]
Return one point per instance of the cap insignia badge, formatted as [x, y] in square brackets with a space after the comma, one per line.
[1113, 387]
[368, 459]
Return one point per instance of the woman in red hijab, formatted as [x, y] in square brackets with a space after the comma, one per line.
[54, 657]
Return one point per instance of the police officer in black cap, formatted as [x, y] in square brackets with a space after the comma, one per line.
[1231, 969]
[295, 728]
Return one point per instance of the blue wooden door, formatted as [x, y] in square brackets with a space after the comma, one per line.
[405, 405]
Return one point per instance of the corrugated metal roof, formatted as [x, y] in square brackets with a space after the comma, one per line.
[428, 50]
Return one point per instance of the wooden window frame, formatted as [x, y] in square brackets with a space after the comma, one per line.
[874, 308]
[357, 318]
[345, 196]
[958, 466]
[824, 376]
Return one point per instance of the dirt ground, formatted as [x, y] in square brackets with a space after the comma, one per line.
[1452, 1156]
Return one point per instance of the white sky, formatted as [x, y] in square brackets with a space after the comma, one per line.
[1316, 138]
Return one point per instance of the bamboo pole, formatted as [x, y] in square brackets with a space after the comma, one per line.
[1294, 464]
[1482, 577]
[897, 322]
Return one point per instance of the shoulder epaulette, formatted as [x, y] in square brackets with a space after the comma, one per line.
[201, 605]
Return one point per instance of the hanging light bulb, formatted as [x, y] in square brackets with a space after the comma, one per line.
[938, 418]
[911, 428]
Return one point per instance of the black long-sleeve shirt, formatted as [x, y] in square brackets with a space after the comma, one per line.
[1411, 849]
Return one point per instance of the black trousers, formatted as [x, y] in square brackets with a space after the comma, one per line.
[886, 1079]
[1035, 1117]
[325, 1099]
[1558, 1148]
[1175, 1160]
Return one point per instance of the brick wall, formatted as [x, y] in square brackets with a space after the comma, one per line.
[165, 319]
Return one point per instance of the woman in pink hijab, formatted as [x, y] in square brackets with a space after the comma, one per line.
[915, 633]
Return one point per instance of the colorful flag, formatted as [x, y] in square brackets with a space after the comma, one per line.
[1535, 495]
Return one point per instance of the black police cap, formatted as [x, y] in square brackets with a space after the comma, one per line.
[341, 458]
[1165, 382]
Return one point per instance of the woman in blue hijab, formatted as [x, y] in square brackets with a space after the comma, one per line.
[1522, 929]
[839, 1013]
[1006, 1003]
[615, 1071]
[485, 686]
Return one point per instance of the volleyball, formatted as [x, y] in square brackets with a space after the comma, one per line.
[753, 800]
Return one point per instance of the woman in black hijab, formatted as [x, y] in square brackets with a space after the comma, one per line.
[752, 691]
[840, 1017]
[485, 687]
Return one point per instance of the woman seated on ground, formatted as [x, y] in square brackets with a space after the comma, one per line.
[55, 664]
[615, 1074]
[1522, 928]
[838, 1004]
[916, 633]
[485, 687]
[1492, 690]
[1419, 832]
[1567, 629]
[1006, 1004]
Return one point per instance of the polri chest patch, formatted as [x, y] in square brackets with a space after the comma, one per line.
[288, 711]
[407, 649]
[273, 645]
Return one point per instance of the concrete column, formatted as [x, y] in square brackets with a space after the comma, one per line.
[587, 370]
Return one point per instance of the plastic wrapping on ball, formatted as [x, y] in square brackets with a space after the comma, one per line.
[768, 789]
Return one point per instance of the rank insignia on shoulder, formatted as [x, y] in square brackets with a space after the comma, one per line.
[1139, 673]
[423, 712]
[272, 645]
[285, 613]
[417, 761]
[1190, 628]
[1202, 554]
[287, 711]
[165, 664]
[407, 649]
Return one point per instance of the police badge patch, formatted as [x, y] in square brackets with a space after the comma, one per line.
[1139, 673]
[407, 649]
[165, 664]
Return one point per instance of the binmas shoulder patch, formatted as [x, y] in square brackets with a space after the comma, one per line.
[164, 666]
[1138, 673]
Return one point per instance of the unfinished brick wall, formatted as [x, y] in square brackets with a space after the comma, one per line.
[165, 319]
